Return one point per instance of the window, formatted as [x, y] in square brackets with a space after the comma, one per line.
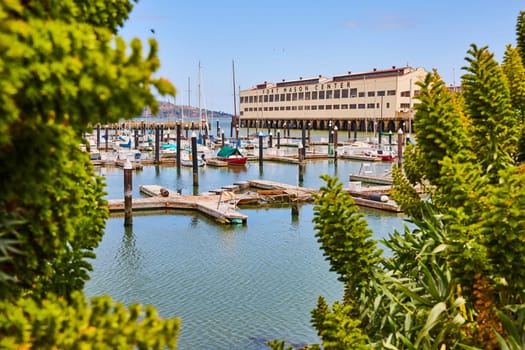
[329, 94]
[266, 109]
[391, 93]
[371, 93]
[271, 109]
[328, 107]
[265, 98]
[353, 92]
[260, 99]
[344, 93]
[276, 97]
[405, 105]
[288, 108]
[281, 108]
[321, 95]
[336, 106]
[337, 93]
[271, 98]
[361, 106]
[251, 99]
[381, 93]
[283, 97]
[301, 96]
[353, 106]
[388, 105]
[294, 108]
[344, 106]
[288, 97]
[314, 95]
[294, 96]
[417, 92]
[320, 107]
[361, 94]
[371, 105]
[306, 108]
[300, 108]
[314, 108]
[307, 95]
[405, 93]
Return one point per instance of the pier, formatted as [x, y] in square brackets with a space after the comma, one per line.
[222, 204]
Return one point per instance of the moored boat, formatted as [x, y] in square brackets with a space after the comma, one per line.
[232, 156]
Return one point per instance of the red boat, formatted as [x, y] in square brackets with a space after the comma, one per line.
[232, 156]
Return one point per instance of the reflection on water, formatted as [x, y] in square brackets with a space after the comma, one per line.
[233, 286]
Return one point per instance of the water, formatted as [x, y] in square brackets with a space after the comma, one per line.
[233, 286]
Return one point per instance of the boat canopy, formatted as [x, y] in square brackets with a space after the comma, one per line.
[227, 151]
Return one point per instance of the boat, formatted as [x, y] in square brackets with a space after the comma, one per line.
[382, 154]
[231, 155]
[189, 162]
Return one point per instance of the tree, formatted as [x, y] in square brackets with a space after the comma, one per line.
[62, 69]
[520, 34]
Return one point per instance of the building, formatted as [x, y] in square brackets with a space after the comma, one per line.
[379, 100]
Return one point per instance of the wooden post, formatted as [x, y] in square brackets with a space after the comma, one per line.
[222, 139]
[136, 138]
[300, 157]
[335, 142]
[400, 148]
[98, 137]
[128, 191]
[260, 149]
[270, 140]
[178, 146]
[279, 139]
[107, 137]
[303, 139]
[157, 145]
[194, 160]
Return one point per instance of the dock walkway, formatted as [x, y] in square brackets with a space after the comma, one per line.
[222, 204]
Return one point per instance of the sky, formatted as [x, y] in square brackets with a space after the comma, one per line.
[273, 40]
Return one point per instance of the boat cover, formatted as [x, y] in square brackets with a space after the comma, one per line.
[225, 152]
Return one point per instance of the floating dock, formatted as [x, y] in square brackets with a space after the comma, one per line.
[222, 204]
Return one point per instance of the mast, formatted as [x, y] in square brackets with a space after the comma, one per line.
[234, 118]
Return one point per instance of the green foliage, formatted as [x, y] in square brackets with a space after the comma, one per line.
[492, 133]
[520, 34]
[62, 68]
[404, 194]
[54, 323]
[344, 237]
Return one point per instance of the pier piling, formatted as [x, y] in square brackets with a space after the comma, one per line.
[128, 190]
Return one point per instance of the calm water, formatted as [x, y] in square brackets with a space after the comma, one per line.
[234, 287]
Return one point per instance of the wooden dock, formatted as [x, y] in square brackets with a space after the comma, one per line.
[222, 203]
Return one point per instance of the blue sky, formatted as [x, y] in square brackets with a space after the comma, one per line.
[273, 40]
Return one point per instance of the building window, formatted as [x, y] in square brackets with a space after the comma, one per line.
[388, 105]
[361, 106]
[353, 92]
[307, 95]
[281, 108]
[294, 96]
[276, 97]
[391, 93]
[260, 99]
[288, 97]
[344, 106]
[353, 106]
[381, 93]
[294, 108]
[314, 108]
[336, 106]
[321, 95]
[271, 98]
[314, 95]
[344, 93]
[300, 108]
[265, 98]
[371, 105]
[405, 93]
[283, 97]
[260, 109]
[328, 106]
[301, 96]
[320, 107]
[251, 99]
[266, 109]
[271, 109]
[288, 108]
[329, 94]
[361, 94]
[337, 93]
[405, 105]
[306, 108]
[417, 92]
[371, 93]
